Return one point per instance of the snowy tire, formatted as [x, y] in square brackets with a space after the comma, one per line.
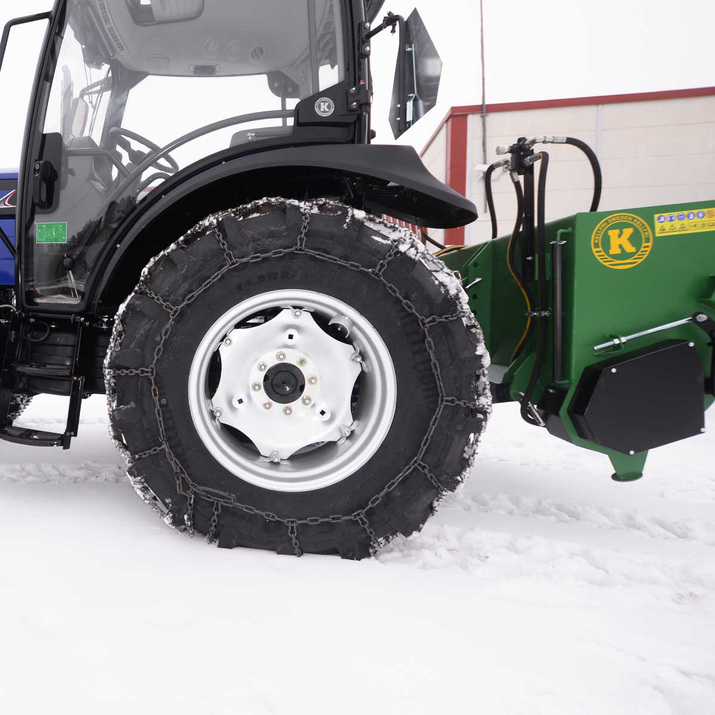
[258, 309]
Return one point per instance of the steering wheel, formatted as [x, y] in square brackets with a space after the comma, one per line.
[124, 137]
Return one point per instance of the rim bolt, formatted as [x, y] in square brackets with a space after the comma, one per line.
[227, 342]
[218, 413]
[262, 367]
[267, 405]
[287, 411]
[302, 362]
[306, 400]
[280, 356]
[297, 313]
[256, 387]
[312, 380]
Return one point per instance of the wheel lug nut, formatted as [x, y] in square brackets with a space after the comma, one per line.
[287, 410]
[267, 405]
[262, 367]
[302, 362]
[306, 400]
[312, 380]
[256, 387]
[280, 356]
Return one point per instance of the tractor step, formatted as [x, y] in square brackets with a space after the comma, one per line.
[45, 370]
[28, 436]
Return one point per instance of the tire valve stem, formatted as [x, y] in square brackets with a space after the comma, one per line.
[346, 431]
[357, 357]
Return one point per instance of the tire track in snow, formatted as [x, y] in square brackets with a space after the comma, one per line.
[50, 473]
[504, 560]
[598, 517]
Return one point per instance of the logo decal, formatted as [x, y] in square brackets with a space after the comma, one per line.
[8, 200]
[325, 107]
[622, 241]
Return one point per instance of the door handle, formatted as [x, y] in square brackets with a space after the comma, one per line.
[44, 176]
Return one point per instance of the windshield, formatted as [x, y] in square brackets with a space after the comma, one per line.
[134, 77]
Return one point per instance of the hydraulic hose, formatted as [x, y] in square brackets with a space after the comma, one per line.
[595, 167]
[490, 198]
[428, 239]
[511, 264]
[543, 293]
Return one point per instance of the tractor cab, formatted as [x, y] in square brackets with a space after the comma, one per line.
[135, 92]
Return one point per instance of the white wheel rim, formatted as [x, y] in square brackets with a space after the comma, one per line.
[282, 455]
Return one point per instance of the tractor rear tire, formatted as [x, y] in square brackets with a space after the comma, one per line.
[356, 288]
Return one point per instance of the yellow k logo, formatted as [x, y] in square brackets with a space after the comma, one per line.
[620, 241]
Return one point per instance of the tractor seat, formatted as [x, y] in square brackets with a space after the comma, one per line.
[254, 135]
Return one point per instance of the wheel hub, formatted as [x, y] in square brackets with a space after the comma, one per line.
[284, 383]
[297, 394]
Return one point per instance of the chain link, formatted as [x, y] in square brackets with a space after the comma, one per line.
[172, 310]
[293, 535]
[212, 536]
[189, 516]
[187, 487]
[230, 258]
[148, 453]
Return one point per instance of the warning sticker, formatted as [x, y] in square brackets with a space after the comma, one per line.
[51, 233]
[680, 222]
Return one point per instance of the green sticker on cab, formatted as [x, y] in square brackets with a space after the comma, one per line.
[50, 233]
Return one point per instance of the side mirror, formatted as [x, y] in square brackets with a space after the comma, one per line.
[417, 78]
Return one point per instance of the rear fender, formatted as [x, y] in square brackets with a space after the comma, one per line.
[381, 179]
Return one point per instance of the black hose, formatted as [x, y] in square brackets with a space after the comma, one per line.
[490, 199]
[595, 166]
[543, 292]
[431, 240]
[511, 264]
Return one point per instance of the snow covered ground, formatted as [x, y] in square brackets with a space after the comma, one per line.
[542, 587]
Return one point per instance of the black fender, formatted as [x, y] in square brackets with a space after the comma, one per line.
[378, 178]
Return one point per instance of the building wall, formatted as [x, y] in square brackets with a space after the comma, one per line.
[654, 149]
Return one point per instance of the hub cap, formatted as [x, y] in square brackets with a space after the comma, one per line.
[306, 393]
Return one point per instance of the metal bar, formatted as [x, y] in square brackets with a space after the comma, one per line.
[484, 93]
[8, 243]
[14, 23]
[76, 393]
[313, 37]
[558, 303]
[621, 341]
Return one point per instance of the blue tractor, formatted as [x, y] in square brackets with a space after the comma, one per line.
[8, 204]
[200, 236]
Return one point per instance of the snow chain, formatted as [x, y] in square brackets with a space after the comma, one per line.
[184, 484]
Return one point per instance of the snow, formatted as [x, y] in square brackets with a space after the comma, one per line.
[542, 587]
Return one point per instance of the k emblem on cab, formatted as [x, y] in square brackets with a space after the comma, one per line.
[325, 107]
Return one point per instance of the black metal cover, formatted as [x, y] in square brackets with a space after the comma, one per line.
[652, 397]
